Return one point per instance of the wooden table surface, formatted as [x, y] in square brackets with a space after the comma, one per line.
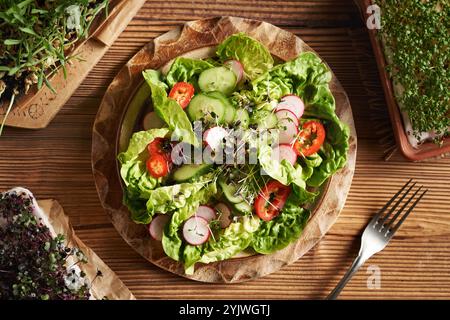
[55, 163]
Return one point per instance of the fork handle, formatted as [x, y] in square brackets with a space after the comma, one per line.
[359, 261]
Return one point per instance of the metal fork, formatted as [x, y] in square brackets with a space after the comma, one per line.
[379, 232]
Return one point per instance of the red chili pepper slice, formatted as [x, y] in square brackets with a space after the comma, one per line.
[182, 92]
[271, 200]
[157, 166]
[310, 138]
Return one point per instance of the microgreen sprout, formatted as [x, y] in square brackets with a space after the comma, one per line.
[33, 264]
[417, 40]
[37, 38]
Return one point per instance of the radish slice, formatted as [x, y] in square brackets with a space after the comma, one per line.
[214, 137]
[286, 114]
[196, 231]
[224, 215]
[284, 151]
[237, 68]
[292, 103]
[288, 131]
[295, 101]
[152, 121]
[206, 213]
[156, 227]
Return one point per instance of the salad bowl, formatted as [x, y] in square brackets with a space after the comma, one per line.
[120, 114]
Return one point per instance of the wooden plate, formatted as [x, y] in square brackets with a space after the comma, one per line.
[120, 108]
[424, 151]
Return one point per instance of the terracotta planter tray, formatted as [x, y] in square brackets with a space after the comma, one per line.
[424, 151]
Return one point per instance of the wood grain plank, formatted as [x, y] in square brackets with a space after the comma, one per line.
[340, 47]
[304, 13]
[55, 163]
[410, 268]
[369, 191]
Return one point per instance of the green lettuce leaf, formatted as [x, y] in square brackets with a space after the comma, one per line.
[139, 142]
[191, 255]
[187, 70]
[138, 182]
[335, 158]
[313, 160]
[286, 227]
[296, 76]
[173, 197]
[333, 153]
[307, 172]
[139, 185]
[228, 243]
[169, 198]
[171, 241]
[320, 103]
[303, 195]
[282, 171]
[254, 56]
[136, 206]
[169, 110]
[308, 77]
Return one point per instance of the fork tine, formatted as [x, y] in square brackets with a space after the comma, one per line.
[398, 201]
[393, 230]
[396, 205]
[391, 222]
[377, 216]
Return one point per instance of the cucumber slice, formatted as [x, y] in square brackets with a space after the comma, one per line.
[243, 117]
[268, 122]
[220, 96]
[190, 171]
[230, 114]
[203, 107]
[243, 207]
[229, 192]
[230, 111]
[217, 79]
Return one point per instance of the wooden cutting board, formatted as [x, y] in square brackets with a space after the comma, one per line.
[37, 108]
[108, 285]
[199, 38]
